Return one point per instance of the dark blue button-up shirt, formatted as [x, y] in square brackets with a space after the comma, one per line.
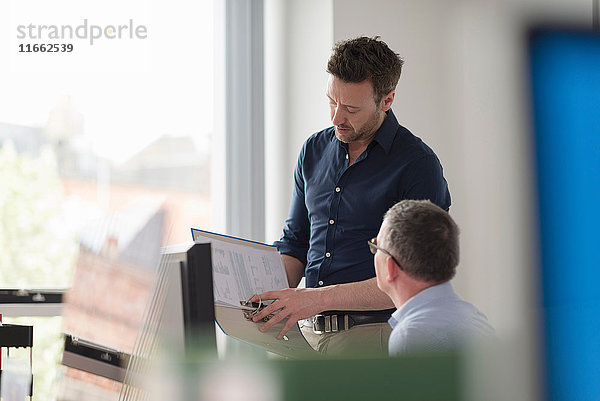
[337, 208]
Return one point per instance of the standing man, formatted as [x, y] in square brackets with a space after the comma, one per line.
[416, 254]
[346, 178]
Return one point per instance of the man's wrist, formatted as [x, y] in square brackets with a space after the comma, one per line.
[327, 296]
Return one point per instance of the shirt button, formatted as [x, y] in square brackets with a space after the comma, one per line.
[338, 189]
[328, 254]
[320, 282]
[346, 156]
[331, 221]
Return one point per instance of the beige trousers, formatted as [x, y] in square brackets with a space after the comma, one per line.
[368, 340]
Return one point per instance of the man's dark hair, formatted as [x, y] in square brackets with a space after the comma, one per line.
[356, 60]
[424, 238]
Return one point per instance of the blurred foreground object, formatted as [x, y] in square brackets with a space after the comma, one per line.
[565, 85]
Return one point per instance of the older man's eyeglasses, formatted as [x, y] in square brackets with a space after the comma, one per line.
[374, 248]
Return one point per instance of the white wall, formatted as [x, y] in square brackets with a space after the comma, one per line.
[298, 41]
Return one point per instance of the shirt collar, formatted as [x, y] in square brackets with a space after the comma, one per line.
[385, 134]
[444, 290]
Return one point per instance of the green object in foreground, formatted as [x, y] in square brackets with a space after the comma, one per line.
[413, 377]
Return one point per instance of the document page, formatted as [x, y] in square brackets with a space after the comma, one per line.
[242, 268]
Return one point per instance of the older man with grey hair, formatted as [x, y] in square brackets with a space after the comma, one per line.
[416, 254]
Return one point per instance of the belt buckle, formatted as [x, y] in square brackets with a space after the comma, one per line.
[314, 327]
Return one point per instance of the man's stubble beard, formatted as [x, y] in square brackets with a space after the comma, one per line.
[367, 130]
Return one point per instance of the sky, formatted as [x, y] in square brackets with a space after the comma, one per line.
[130, 90]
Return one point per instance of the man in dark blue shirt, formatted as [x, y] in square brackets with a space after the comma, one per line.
[346, 178]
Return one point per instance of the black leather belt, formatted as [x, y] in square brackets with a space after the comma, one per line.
[334, 321]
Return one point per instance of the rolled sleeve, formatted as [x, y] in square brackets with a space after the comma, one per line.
[296, 232]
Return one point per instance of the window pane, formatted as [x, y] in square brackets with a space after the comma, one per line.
[104, 158]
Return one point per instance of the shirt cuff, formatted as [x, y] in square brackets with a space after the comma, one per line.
[285, 248]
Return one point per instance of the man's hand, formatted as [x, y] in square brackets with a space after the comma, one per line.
[294, 303]
[301, 303]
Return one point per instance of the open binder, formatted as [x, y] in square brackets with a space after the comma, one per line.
[241, 269]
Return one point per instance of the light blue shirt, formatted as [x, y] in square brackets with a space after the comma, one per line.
[436, 319]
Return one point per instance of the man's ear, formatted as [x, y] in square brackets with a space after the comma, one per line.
[387, 101]
[392, 270]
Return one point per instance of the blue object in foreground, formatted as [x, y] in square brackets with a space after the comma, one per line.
[565, 79]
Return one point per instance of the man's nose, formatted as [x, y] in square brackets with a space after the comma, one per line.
[338, 116]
